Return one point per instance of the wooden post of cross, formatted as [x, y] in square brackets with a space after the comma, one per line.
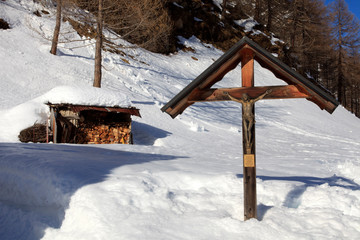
[248, 132]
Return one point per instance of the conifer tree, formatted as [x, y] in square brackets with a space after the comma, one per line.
[345, 33]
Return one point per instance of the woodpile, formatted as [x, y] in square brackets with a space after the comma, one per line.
[36, 134]
[119, 133]
[84, 124]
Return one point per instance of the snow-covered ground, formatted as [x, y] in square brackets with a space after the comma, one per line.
[182, 179]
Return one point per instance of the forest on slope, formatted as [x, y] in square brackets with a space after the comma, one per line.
[321, 42]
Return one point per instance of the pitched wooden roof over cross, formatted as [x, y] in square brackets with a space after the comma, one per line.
[244, 51]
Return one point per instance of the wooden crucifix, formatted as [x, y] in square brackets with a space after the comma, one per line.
[246, 52]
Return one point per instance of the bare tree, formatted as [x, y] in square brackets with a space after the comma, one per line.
[224, 9]
[98, 46]
[269, 15]
[143, 22]
[55, 39]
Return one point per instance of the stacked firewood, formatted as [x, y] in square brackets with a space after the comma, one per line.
[119, 133]
[35, 133]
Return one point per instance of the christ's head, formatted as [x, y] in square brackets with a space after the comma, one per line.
[245, 97]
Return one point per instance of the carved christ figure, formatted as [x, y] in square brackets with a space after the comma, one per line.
[248, 116]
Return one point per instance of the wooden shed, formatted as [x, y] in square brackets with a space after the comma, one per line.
[91, 124]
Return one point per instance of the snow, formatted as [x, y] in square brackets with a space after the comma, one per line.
[176, 4]
[218, 3]
[250, 23]
[247, 24]
[86, 95]
[182, 179]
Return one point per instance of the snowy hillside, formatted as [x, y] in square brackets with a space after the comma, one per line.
[182, 179]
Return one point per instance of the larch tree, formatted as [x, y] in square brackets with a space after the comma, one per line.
[142, 22]
[257, 11]
[55, 38]
[224, 9]
[352, 75]
[98, 45]
[269, 21]
[308, 35]
[345, 33]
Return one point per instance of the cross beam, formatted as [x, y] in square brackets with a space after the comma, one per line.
[220, 94]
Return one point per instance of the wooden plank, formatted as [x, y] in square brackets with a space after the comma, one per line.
[219, 94]
[247, 67]
[249, 175]
[179, 108]
[250, 199]
[221, 71]
[290, 79]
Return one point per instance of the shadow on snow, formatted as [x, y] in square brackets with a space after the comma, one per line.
[292, 199]
[37, 181]
[145, 134]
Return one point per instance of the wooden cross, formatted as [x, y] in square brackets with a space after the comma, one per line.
[246, 51]
[248, 123]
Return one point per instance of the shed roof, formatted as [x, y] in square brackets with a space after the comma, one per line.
[231, 59]
[79, 108]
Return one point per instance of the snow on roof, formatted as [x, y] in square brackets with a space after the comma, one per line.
[86, 95]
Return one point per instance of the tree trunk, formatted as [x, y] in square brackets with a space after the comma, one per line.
[98, 47]
[357, 104]
[340, 77]
[223, 12]
[269, 18]
[295, 19]
[352, 100]
[55, 39]
[257, 11]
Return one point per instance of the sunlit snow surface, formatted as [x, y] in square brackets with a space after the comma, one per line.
[182, 179]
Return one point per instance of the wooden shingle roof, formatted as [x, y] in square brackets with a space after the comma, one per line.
[229, 60]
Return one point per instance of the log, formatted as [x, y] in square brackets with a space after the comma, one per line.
[105, 134]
